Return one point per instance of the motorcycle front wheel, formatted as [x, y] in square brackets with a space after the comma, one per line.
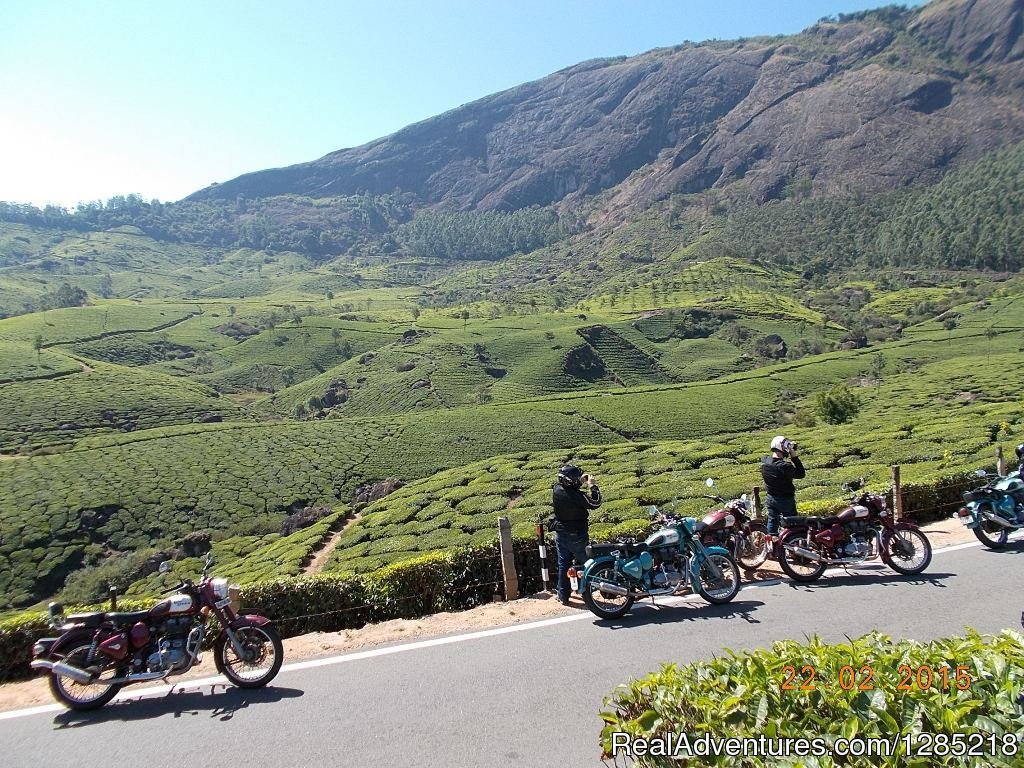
[260, 660]
[906, 551]
[752, 548]
[603, 603]
[75, 695]
[992, 535]
[724, 589]
[799, 568]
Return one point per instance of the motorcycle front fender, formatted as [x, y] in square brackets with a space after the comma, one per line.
[249, 620]
[699, 556]
[228, 633]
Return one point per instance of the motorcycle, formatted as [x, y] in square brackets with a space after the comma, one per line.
[666, 562]
[995, 509]
[98, 653]
[732, 528]
[865, 530]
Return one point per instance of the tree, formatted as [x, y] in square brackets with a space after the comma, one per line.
[990, 334]
[878, 362]
[335, 335]
[330, 295]
[465, 318]
[838, 405]
[106, 286]
[415, 314]
[37, 345]
[232, 309]
[949, 324]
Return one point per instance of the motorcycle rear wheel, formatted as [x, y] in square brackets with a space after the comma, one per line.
[752, 549]
[74, 695]
[798, 568]
[263, 655]
[600, 604]
[718, 591]
[992, 535]
[906, 551]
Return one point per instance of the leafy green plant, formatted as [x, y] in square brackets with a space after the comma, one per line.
[838, 405]
[954, 685]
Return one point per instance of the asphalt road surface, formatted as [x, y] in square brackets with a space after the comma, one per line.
[522, 696]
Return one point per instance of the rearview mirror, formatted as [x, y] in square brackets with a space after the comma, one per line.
[165, 566]
[980, 473]
[710, 482]
[652, 512]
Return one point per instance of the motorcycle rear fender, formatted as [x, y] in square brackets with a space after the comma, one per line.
[68, 639]
[976, 511]
[591, 564]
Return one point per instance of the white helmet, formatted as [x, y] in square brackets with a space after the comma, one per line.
[781, 444]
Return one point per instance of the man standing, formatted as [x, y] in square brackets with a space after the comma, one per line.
[778, 471]
[571, 521]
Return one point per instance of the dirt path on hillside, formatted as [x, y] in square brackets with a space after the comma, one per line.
[320, 557]
[532, 608]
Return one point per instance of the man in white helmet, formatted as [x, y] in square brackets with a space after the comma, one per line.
[779, 470]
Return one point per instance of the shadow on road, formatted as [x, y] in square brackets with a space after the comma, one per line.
[834, 579]
[220, 704]
[644, 614]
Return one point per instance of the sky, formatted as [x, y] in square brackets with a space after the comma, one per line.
[163, 98]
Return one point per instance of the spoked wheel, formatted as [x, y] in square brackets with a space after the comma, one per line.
[992, 535]
[599, 599]
[797, 567]
[752, 549]
[722, 589]
[260, 660]
[77, 696]
[906, 551]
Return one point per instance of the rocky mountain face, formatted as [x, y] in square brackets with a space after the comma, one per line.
[869, 102]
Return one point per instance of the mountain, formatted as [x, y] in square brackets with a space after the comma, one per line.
[869, 101]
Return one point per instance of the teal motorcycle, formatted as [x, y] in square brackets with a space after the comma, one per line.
[667, 562]
[995, 510]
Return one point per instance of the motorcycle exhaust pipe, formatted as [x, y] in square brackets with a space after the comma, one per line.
[138, 677]
[808, 554]
[993, 517]
[63, 668]
[614, 590]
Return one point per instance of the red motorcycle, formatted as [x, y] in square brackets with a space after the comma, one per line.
[99, 653]
[732, 528]
[865, 530]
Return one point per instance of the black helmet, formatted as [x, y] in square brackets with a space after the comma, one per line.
[1020, 452]
[570, 476]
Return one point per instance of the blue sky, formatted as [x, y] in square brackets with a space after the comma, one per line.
[162, 98]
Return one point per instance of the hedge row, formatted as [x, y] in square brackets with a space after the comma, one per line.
[743, 696]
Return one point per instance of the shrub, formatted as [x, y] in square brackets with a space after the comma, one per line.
[837, 406]
[742, 695]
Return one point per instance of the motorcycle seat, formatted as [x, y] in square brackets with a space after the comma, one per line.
[596, 550]
[808, 521]
[91, 620]
[126, 619]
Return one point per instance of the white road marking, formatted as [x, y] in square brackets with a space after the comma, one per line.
[145, 693]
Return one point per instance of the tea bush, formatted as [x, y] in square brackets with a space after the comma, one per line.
[741, 695]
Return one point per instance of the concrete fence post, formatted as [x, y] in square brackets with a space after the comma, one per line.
[757, 501]
[897, 492]
[542, 549]
[508, 560]
[1000, 461]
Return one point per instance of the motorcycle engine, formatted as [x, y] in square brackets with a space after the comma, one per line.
[858, 543]
[171, 649]
[666, 576]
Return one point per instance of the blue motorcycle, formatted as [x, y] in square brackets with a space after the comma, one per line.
[995, 509]
[665, 563]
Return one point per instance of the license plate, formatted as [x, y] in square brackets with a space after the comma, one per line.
[575, 582]
[222, 603]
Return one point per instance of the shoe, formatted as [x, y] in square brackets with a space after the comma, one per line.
[563, 600]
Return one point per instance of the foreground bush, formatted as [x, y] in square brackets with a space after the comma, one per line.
[753, 694]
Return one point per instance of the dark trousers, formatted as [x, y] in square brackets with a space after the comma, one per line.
[569, 546]
[778, 508]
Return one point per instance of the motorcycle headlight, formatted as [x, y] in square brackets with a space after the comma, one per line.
[220, 588]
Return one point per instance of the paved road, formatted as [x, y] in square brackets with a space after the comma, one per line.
[526, 697]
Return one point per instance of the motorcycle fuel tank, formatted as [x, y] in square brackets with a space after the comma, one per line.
[180, 603]
[664, 538]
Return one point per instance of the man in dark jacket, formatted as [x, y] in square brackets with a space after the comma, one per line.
[571, 520]
[778, 471]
